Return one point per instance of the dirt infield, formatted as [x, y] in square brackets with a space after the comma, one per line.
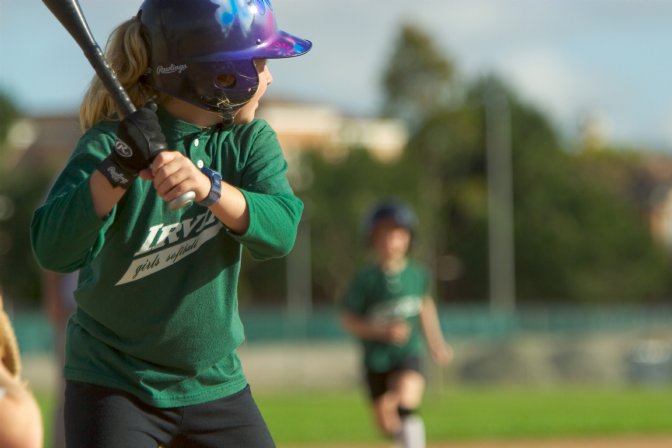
[587, 442]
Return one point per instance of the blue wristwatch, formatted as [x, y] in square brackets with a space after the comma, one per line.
[215, 186]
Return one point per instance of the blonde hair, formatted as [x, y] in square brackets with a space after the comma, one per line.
[127, 54]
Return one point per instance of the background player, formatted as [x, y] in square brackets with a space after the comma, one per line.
[388, 308]
[151, 348]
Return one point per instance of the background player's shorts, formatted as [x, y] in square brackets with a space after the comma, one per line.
[379, 382]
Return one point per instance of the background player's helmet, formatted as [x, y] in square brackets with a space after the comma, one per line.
[203, 51]
[396, 211]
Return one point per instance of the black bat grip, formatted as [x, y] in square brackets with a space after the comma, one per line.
[110, 81]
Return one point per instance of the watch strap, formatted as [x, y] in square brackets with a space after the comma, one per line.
[215, 187]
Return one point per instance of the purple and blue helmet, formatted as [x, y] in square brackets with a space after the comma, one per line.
[203, 51]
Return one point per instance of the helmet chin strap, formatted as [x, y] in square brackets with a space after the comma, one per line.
[227, 118]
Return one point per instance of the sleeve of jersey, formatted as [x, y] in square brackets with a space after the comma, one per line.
[273, 208]
[66, 233]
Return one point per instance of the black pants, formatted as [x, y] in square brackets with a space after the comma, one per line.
[99, 417]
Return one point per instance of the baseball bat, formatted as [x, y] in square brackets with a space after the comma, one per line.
[69, 14]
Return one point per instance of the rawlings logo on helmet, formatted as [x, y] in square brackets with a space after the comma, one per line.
[172, 68]
[244, 10]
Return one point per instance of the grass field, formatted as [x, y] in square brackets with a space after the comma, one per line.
[467, 414]
[487, 413]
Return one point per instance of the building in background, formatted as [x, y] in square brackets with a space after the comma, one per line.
[323, 128]
[42, 143]
[46, 142]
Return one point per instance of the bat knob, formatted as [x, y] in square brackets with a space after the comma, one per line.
[183, 201]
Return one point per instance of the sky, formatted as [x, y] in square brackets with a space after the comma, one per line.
[610, 60]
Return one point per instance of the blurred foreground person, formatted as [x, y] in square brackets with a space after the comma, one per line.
[20, 419]
[388, 307]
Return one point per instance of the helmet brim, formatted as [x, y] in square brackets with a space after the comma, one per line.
[282, 45]
[279, 45]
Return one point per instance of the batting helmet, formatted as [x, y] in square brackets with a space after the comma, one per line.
[396, 211]
[203, 51]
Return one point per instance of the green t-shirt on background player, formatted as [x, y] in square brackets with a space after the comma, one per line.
[157, 311]
[381, 297]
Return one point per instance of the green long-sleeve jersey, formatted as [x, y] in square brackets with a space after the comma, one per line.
[157, 311]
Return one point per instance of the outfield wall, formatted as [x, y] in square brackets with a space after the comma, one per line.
[535, 347]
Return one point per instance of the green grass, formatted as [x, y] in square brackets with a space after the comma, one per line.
[520, 413]
[466, 413]
[473, 413]
[46, 401]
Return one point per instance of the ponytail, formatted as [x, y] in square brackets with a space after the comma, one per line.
[127, 54]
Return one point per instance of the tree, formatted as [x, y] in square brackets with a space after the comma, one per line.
[19, 272]
[578, 228]
[418, 78]
[20, 192]
[8, 114]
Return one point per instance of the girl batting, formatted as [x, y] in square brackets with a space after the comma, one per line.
[151, 348]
